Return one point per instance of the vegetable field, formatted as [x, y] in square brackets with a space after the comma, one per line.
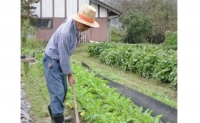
[97, 102]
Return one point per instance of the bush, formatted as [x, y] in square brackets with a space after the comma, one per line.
[170, 40]
[27, 31]
[138, 28]
[149, 61]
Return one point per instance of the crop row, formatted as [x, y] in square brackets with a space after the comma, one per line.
[98, 103]
[149, 61]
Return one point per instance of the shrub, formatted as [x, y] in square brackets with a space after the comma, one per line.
[170, 40]
[27, 31]
[138, 28]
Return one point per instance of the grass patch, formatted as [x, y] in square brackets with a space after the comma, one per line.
[36, 91]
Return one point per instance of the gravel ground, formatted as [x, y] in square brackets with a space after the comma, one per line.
[25, 106]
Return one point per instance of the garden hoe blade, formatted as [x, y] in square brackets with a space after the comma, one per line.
[75, 104]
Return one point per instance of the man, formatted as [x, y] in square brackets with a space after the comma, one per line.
[56, 60]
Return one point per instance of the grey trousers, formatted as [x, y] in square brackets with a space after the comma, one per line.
[56, 84]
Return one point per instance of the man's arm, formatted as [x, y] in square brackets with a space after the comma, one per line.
[64, 58]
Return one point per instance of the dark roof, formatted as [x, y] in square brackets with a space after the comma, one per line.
[107, 5]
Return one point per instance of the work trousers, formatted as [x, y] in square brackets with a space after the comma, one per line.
[56, 84]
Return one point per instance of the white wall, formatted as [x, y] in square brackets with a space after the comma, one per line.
[47, 8]
[103, 12]
[59, 8]
[71, 7]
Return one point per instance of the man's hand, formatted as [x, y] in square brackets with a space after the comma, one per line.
[71, 79]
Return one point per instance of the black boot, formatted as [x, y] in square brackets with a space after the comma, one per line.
[50, 113]
[66, 119]
[58, 118]
[61, 119]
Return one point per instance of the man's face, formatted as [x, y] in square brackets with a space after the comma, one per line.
[82, 27]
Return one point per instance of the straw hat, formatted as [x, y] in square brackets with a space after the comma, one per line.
[86, 15]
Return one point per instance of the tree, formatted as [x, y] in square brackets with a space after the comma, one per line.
[161, 13]
[27, 10]
[27, 15]
[138, 28]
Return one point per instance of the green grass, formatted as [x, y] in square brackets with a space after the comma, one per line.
[162, 92]
[36, 91]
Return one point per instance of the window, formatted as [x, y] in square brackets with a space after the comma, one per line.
[43, 23]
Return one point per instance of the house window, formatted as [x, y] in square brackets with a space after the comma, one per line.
[43, 23]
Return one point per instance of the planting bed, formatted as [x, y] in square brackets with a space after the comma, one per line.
[169, 114]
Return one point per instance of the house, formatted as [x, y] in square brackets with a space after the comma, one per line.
[51, 13]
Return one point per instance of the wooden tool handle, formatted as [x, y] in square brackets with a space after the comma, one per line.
[75, 104]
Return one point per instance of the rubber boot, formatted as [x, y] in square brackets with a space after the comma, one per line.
[58, 118]
[66, 119]
[61, 119]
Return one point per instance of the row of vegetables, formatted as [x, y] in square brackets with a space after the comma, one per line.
[149, 61]
[98, 103]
